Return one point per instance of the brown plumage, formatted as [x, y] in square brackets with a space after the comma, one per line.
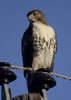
[38, 43]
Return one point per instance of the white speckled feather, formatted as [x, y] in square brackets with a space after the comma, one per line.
[45, 52]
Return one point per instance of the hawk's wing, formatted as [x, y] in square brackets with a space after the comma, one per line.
[27, 48]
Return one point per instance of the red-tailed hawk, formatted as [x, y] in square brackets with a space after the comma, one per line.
[38, 43]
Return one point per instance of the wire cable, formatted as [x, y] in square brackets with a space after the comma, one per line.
[29, 68]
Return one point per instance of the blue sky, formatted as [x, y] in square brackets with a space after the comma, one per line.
[13, 23]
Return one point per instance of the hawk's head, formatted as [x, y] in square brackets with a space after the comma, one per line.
[36, 15]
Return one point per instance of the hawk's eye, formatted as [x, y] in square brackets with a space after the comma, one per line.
[34, 14]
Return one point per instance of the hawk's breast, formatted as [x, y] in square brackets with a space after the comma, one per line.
[43, 55]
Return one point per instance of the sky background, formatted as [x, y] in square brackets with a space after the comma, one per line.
[13, 23]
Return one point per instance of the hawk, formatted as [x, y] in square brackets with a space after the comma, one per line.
[38, 43]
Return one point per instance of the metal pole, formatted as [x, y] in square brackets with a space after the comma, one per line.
[5, 92]
[44, 94]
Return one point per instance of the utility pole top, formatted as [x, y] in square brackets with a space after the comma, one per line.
[38, 83]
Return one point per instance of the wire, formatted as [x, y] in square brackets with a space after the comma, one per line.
[58, 75]
[29, 68]
[16, 67]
